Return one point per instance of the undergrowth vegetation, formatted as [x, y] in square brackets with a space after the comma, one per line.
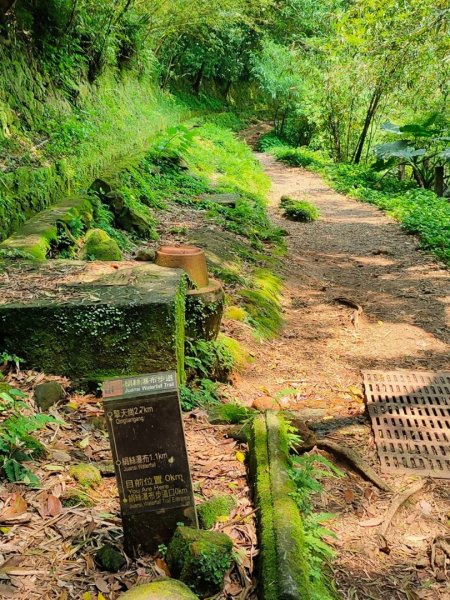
[17, 444]
[307, 473]
[299, 210]
[419, 211]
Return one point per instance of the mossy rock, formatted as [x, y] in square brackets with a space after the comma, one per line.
[109, 559]
[87, 475]
[36, 237]
[110, 320]
[214, 510]
[129, 215]
[47, 394]
[100, 246]
[163, 589]
[76, 497]
[200, 559]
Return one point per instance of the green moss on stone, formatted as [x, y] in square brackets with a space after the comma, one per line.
[200, 559]
[109, 559]
[87, 475]
[128, 323]
[288, 525]
[75, 497]
[211, 511]
[164, 589]
[35, 238]
[99, 246]
[260, 471]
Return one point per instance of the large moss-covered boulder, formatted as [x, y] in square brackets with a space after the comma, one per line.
[92, 321]
[98, 245]
[164, 589]
[200, 559]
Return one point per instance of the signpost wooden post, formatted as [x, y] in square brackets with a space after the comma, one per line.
[151, 463]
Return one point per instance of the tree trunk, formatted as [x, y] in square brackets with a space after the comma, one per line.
[439, 180]
[371, 111]
[198, 80]
[5, 6]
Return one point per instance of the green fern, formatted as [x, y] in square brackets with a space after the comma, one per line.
[17, 445]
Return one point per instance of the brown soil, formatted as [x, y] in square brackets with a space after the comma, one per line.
[356, 252]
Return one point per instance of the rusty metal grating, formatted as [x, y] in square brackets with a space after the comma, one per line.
[410, 414]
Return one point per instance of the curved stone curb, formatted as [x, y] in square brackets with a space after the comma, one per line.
[283, 567]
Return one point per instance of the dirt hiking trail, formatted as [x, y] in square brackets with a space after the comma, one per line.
[356, 252]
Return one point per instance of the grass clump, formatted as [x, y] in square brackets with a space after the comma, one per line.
[235, 313]
[263, 303]
[299, 210]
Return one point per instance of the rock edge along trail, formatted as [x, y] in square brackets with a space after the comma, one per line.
[354, 252]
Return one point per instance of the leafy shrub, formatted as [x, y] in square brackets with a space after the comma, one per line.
[209, 359]
[268, 141]
[299, 210]
[298, 157]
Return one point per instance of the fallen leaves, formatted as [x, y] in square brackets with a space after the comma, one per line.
[16, 510]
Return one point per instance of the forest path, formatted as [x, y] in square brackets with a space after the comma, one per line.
[356, 252]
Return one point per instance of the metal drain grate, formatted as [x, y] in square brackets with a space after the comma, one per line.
[410, 413]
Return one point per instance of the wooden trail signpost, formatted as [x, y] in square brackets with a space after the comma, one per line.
[149, 453]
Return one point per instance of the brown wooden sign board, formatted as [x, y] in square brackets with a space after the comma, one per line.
[150, 457]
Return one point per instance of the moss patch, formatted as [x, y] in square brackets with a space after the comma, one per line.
[75, 497]
[109, 559]
[87, 475]
[215, 510]
[235, 313]
[99, 246]
[164, 589]
[200, 559]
